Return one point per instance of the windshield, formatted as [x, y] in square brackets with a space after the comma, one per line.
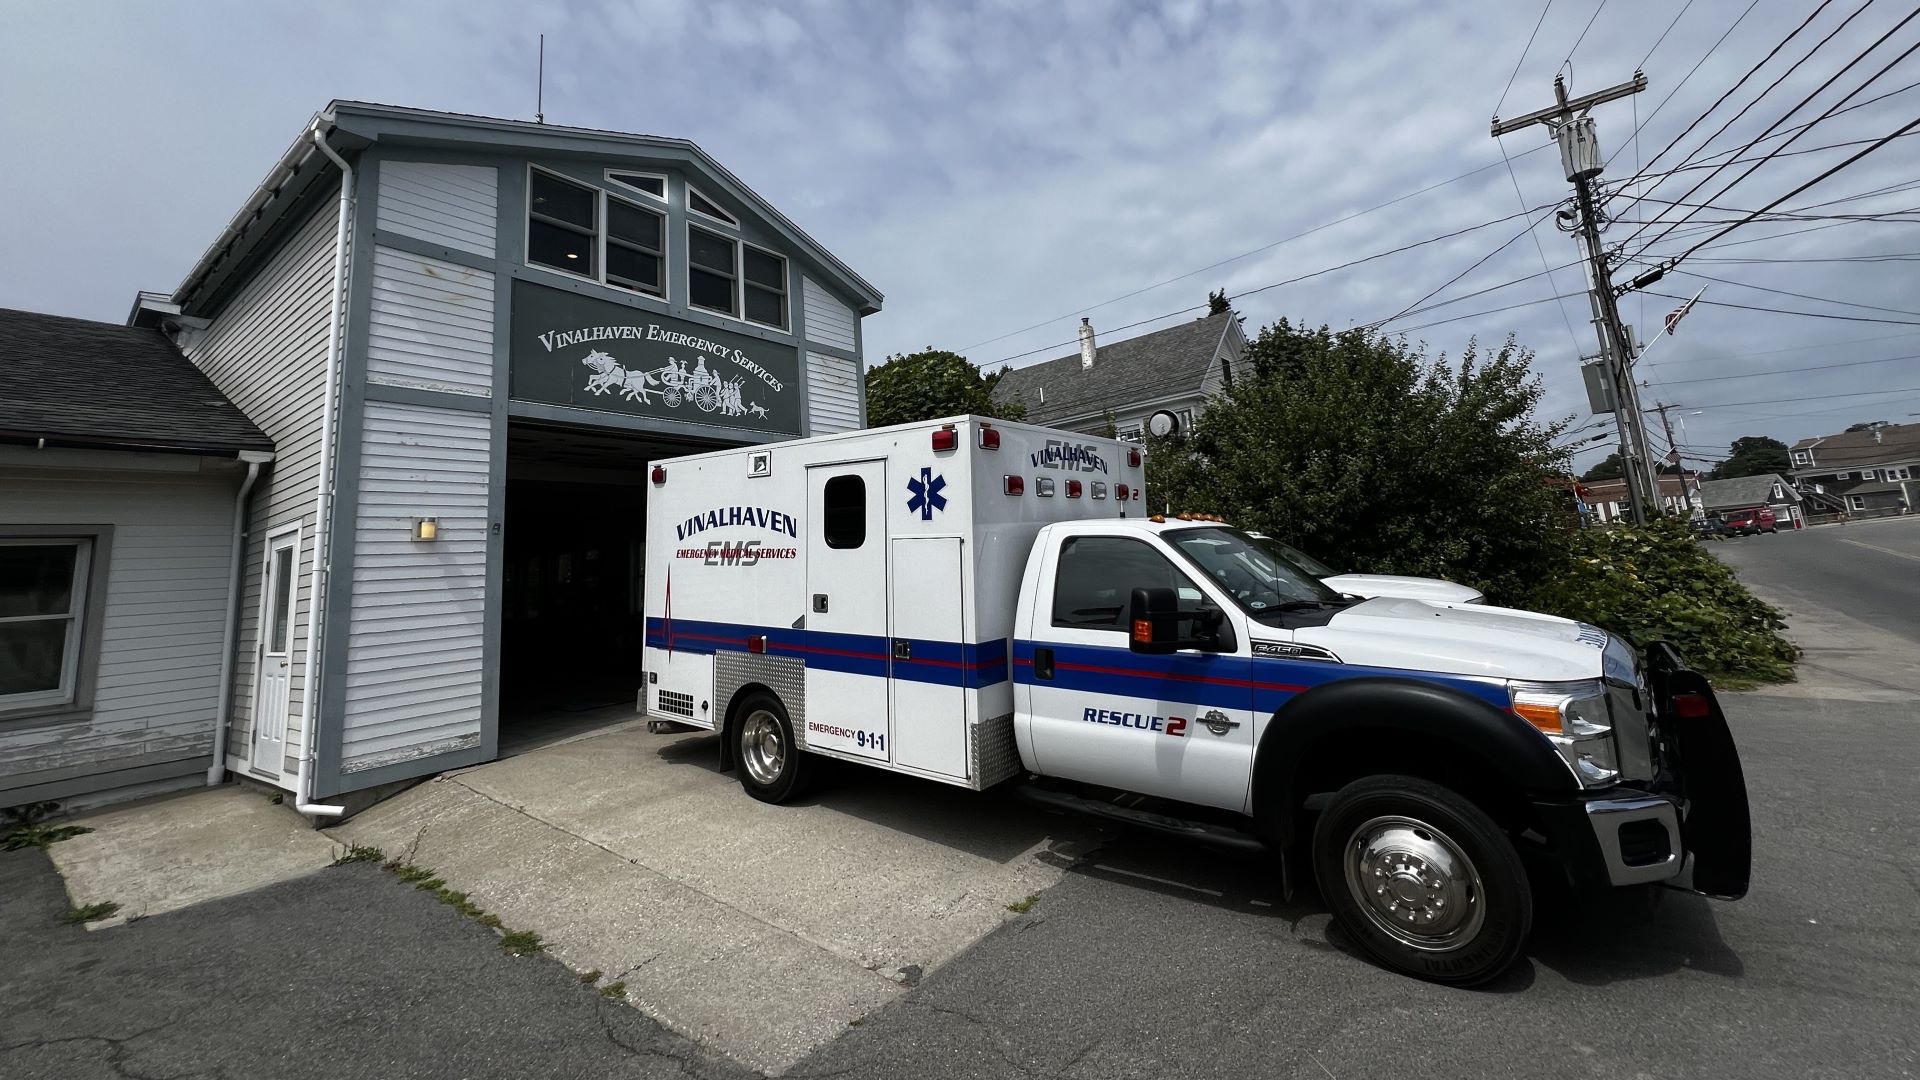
[1289, 553]
[1260, 583]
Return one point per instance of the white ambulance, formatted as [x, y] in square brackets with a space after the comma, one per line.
[971, 600]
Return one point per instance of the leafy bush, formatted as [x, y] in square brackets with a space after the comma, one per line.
[1657, 583]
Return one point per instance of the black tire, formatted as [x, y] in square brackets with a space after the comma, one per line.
[1428, 831]
[772, 766]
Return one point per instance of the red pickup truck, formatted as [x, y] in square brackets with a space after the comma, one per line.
[1751, 522]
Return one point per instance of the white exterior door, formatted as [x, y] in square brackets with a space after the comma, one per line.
[1178, 725]
[847, 640]
[273, 674]
[929, 674]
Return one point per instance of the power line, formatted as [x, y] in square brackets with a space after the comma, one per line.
[1808, 348]
[1581, 38]
[1524, 50]
[1572, 338]
[1477, 263]
[1245, 254]
[1790, 371]
[1476, 293]
[1663, 36]
[1788, 311]
[1492, 311]
[1796, 295]
[1684, 79]
[1816, 397]
[1835, 77]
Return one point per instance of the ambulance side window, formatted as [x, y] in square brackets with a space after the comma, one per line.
[845, 502]
[1096, 575]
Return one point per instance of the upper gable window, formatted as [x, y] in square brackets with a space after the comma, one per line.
[707, 208]
[585, 231]
[562, 224]
[652, 184]
[713, 271]
[765, 282]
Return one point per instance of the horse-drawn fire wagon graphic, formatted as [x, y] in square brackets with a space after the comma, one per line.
[673, 383]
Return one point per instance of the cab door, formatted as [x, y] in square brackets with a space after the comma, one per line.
[1177, 725]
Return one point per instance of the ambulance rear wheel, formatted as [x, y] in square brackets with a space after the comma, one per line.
[772, 766]
[1422, 879]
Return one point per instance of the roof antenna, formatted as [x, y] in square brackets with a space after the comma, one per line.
[540, 85]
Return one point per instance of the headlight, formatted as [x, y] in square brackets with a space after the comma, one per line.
[1573, 716]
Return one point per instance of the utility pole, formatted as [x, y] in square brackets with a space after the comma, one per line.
[1570, 125]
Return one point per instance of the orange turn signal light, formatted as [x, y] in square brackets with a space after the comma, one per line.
[1143, 631]
[1544, 717]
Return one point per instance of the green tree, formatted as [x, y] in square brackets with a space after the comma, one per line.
[1366, 452]
[1609, 468]
[1866, 426]
[931, 383]
[1217, 302]
[1753, 455]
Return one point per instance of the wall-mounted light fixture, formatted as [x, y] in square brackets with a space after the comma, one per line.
[426, 529]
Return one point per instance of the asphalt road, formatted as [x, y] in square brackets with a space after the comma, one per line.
[1868, 570]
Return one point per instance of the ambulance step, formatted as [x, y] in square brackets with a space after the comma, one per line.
[1219, 836]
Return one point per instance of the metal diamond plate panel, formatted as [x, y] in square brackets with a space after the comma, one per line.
[786, 676]
[992, 754]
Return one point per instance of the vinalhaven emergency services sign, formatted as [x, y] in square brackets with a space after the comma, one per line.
[590, 354]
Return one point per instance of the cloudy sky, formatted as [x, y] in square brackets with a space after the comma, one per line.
[999, 168]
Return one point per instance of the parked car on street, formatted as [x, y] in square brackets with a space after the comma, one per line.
[1751, 522]
[1368, 586]
[1711, 528]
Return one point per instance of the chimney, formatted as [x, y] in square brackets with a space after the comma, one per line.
[1086, 344]
[1878, 437]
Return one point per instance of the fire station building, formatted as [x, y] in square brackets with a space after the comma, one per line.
[466, 339]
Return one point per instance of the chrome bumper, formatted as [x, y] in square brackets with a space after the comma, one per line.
[1639, 838]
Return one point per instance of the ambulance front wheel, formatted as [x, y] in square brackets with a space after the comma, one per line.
[772, 767]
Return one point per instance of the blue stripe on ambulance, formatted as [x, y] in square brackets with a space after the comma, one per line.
[948, 663]
[1216, 681]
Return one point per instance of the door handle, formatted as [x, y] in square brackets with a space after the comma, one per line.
[902, 649]
[1043, 663]
[820, 603]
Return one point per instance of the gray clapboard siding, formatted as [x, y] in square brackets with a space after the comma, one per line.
[417, 629]
[833, 394]
[451, 205]
[266, 351]
[157, 669]
[430, 324]
[828, 321]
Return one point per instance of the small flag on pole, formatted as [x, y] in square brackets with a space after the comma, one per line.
[1674, 316]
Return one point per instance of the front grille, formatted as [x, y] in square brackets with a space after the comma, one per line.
[1644, 843]
[668, 701]
[1626, 708]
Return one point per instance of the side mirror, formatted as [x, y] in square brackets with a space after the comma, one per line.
[1157, 625]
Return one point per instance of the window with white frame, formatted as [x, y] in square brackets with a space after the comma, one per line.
[653, 184]
[698, 203]
[42, 604]
[579, 229]
[1901, 473]
[1802, 457]
[713, 271]
[1843, 476]
[765, 282]
[1858, 502]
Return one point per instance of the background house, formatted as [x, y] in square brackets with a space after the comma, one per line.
[1607, 499]
[123, 476]
[1125, 383]
[1753, 492]
[1873, 472]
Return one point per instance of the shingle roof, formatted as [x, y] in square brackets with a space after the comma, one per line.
[1743, 491]
[75, 382]
[1897, 442]
[1165, 363]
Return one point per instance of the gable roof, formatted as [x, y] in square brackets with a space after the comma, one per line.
[1165, 363]
[1743, 491]
[1897, 442]
[303, 175]
[75, 382]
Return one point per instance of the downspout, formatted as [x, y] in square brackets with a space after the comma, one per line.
[323, 492]
[230, 632]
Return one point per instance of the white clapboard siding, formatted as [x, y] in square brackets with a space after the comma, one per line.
[266, 350]
[430, 324]
[833, 394]
[416, 628]
[828, 321]
[450, 205]
[157, 676]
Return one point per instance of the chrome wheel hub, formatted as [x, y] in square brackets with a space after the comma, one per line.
[763, 749]
[1415, 883]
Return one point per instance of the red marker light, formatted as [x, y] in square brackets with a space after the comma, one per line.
[757, 643]
[1120, 491]
[1133, 459]
[946, 438]
[989, 437]
[1691, 706]
[1073, 489]
[659, 474]
[1016, 485]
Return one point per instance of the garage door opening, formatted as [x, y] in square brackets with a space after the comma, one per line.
[572, 622]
